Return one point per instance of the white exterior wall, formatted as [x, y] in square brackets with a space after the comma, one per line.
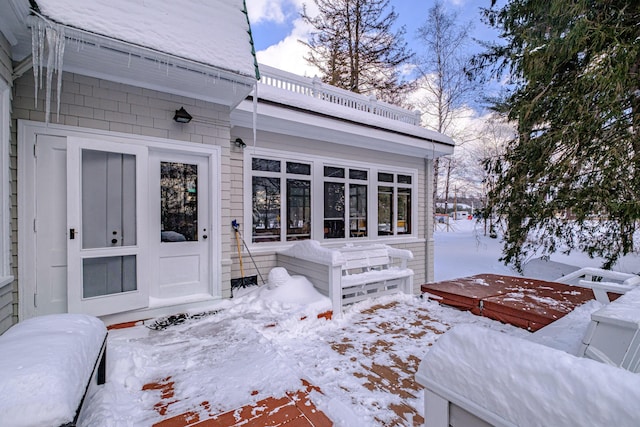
[99, 104]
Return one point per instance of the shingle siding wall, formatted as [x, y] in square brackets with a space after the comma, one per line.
[92, 103]
[7, 294]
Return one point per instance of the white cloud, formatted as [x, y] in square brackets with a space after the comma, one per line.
[277, 11]
[288, 54]
[265, 10]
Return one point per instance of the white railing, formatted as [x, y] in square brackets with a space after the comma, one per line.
[315, 88]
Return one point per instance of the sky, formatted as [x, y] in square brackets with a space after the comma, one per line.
[277, 27]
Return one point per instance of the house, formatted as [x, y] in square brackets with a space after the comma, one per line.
[131, 136]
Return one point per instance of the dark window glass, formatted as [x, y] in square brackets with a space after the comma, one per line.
[178, 202]
[357, 210]
[265, 165]
[358, 174]
[266, 209]
[404, 211]
[298, 168]
[404, 179]
[331, 172]
[385, 177]
[385, 211]
[298, 209]
[334, 213]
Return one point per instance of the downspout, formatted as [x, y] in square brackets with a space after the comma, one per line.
[429, 241]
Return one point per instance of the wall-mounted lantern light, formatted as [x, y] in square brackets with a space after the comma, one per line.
[182, 116]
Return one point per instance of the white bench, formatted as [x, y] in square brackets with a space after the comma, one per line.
[352, 273]
[49, 365]
[477, 377]
[609, 281]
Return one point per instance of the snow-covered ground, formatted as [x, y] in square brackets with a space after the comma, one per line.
[267, 339]
[465, 250]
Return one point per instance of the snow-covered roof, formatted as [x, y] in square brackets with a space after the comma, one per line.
[212, 32]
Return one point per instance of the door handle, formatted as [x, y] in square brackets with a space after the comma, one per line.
[114, 241]
[204, 237]
[72, 233]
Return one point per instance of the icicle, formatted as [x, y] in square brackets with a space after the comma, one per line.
[46, 38]
[58, 67]
[37, 54]
[255, 114]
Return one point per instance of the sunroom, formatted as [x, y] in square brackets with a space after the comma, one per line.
[329, 165]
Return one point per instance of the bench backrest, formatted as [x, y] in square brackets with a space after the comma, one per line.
[358, 261]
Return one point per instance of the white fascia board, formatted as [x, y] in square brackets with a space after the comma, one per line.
[304, 124]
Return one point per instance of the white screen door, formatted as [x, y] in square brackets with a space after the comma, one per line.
[106, 231]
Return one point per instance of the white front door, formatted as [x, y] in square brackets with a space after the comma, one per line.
[180, 225]
[106, 226]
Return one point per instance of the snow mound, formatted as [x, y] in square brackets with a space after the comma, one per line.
[284, 294]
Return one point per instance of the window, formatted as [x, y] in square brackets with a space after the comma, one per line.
[178, 202]
[269, 178]
[340, 197]
[394, 204]
[338, 182]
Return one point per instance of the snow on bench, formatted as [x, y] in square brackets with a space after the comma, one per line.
[474, 376]
[352, 273]
[47, 367]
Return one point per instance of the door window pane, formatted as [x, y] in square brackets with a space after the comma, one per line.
[298, 209]
[108, 199]
[178, 202]
[334, 214]
[266, 209]
[108, 275]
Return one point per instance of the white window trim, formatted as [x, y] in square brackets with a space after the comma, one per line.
[317, 197]
[5, 186]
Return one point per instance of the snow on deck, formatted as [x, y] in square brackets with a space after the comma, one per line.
[256, 348]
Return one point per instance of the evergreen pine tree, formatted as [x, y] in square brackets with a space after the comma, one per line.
[354, 47]
[571, 177]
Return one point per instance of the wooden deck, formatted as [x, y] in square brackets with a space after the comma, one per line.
[519, 301]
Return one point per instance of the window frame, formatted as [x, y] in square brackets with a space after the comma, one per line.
[284, 235]
[396, 186]
[317, 184]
